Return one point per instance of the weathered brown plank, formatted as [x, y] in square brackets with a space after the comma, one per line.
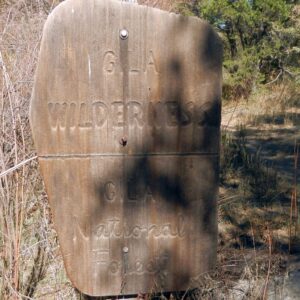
[127, 133]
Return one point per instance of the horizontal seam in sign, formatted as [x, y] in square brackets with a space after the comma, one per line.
[88, 155]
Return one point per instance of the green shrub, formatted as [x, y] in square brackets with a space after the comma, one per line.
[261, 40]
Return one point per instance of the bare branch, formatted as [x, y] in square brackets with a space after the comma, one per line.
[24, 162]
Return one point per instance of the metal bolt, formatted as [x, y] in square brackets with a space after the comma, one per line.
[123, 141]
[124, 34]
[125, 249]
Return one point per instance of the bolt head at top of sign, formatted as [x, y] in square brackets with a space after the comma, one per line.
[124, 34]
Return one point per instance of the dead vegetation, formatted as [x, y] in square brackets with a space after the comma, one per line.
[27, 241]
[257, 209]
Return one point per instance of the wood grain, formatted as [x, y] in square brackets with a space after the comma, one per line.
[127, 133]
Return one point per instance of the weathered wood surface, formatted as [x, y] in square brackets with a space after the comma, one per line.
[127, 133]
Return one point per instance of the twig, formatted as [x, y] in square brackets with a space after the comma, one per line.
[233, 111]
[24, 162]
[281, 73]
[293, 75]
[269, 265]
[225, 201]
[294, 206]
[254, 247]
[278, 76]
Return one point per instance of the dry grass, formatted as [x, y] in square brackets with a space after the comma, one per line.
[27, 241]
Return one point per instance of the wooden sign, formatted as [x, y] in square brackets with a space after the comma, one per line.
[125, 117]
